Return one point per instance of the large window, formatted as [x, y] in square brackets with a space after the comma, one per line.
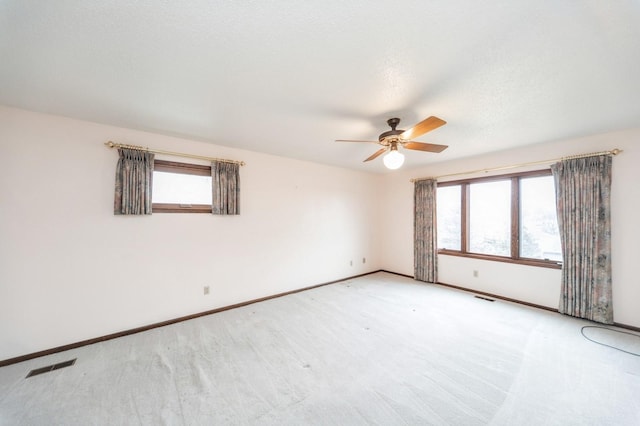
[507, 218]
[181, 188]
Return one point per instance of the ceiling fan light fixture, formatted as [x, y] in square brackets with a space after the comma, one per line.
[393, 160]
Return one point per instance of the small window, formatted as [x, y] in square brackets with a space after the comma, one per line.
[181, 188]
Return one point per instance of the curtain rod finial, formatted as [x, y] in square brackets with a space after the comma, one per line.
[616, 151]
[110, 144]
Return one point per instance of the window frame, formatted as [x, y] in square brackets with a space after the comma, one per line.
[181, 168]
[515, 220]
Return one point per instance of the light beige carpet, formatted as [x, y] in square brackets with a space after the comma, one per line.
[380, 349]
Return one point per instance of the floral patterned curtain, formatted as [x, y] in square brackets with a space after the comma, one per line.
[425, 242]
[134, 176]
[583, 188]
[226, 188]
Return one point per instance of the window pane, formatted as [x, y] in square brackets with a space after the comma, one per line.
[449, 223]
[180, 188]
[539, 236]
[490, 218]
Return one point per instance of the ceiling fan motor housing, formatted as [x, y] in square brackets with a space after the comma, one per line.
[392, 122]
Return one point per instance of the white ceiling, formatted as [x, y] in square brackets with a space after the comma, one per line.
[290, 77]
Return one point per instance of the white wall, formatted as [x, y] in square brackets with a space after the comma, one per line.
[70, 270]
[529, 284]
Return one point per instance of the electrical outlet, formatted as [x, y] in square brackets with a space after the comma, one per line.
[206, 289]
[351, 263]
[475, 273]
[364, 260]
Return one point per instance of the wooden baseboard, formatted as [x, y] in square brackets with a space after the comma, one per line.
[497, 296]
[163, 323]
[628, 327]
[396, 273]
[250, 302]
[533, 305]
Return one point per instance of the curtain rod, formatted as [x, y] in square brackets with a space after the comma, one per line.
[515, 166]
[111, 144]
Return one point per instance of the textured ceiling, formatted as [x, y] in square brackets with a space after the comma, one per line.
[290, 77]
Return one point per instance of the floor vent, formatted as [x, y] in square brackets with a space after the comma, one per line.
[485, 298]
[51, 368]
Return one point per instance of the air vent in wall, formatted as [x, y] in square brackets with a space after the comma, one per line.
[48, 368]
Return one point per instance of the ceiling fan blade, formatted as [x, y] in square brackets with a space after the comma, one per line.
[423, 127]
[429, 147]
[347, 140]
[376, 154]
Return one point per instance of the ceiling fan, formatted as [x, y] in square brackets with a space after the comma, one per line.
[391, 139]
